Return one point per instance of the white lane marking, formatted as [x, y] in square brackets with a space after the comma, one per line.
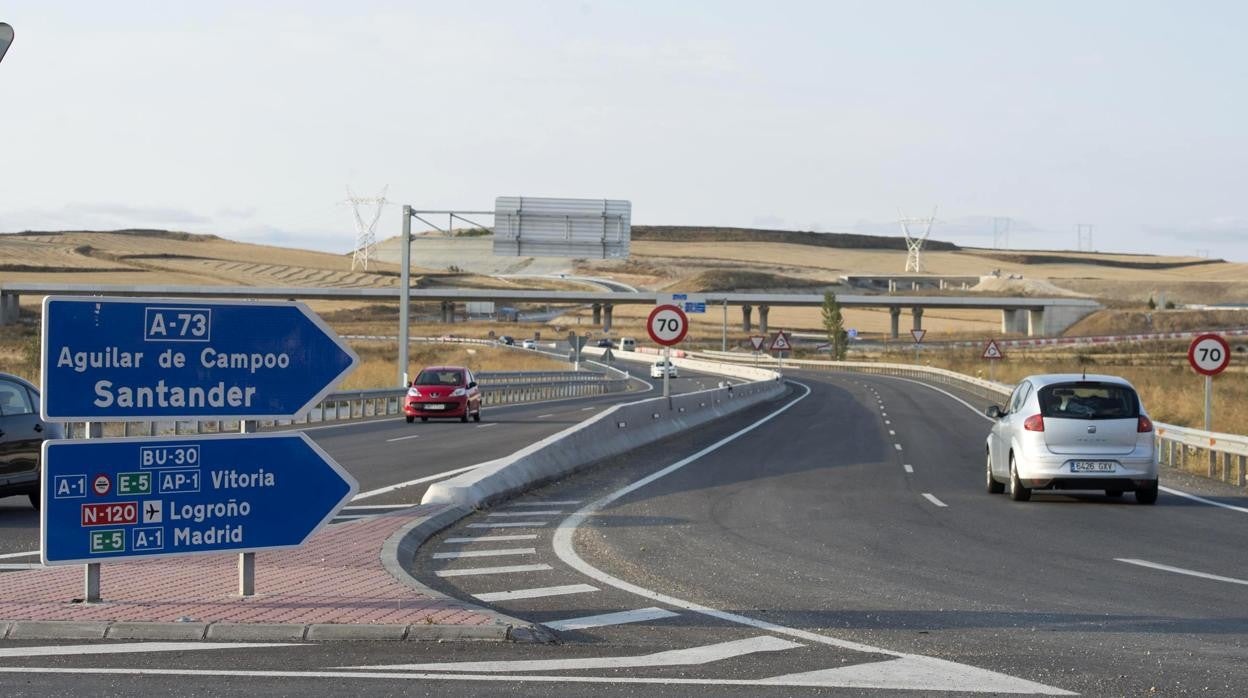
[639, 616]
[538, 593]
[509, 569]
[1202, 500]
[492, 539]
[909, 468]
[378, 506]
[417, 481]
[913, 673]
[510, 524]
[973, 680]
[18, 566]
[520, 514]
[932, 498]
[547, 503]
[682, 657]
[403, 438]
[1167, 490]
[883, 414]
[61, 650]
[498, 552]
[28, 553]
[544, 416]
[897, 446]
[891, 432]
[587, 409]
[353, 517]
[888, 422]
[486, 426]
[1180, 570]
[943, 675]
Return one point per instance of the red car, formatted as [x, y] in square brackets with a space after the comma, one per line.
[443, 391]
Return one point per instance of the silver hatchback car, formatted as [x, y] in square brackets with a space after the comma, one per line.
[1072, 432]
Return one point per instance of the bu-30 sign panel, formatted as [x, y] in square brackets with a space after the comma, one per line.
[526, 226]
[105, 499]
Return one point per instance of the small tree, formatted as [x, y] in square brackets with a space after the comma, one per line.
[834, 326]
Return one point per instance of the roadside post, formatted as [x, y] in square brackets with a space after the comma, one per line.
[667, 325]
[155, 359]
[757, 341]
[918, 335]
[780, 343]
[992, 354]
[1209, 355]
[577, 342]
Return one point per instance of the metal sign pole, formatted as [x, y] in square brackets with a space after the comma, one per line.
[724, 343]
[1208, 403]
[247, 561]
[667, 363]
[91, 571]
[405, 296]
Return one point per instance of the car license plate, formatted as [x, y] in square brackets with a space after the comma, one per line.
[1092, 466]
[435, 407]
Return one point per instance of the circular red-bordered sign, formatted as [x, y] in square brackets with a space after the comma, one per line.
[667, 325]
[101, 484]
[1209, 354]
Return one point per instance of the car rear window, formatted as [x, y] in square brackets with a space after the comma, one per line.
[440, 378]
[1089, 400]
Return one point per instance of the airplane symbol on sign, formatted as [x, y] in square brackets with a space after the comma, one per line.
[153, 511]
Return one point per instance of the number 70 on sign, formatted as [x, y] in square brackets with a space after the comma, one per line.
[667, 325]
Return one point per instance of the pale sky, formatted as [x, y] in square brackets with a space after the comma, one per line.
[250, 119]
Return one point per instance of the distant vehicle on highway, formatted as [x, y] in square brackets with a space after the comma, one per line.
[1072, 432]
[628, 344]
[603, 343]
[506, 339]
[443, 391]
[22, 434]
[529, 344]
[656, 371]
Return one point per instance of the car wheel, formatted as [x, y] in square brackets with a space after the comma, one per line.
[476, 416]
[1017, 492]
[994, 487]
[410, 419]
[464, 417]
[34, 499]
[424, 419]
[1113, 493]
[1148, 494]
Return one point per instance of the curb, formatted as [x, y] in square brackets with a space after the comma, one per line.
[256, 632]
[402, 546]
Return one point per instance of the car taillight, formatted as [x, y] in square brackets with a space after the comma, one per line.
[1145, 425]
[1034, 423]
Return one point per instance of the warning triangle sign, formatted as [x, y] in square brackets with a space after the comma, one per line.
[757, 341]
[992, 351]
[780, 342]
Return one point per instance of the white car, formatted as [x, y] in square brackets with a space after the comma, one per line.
[656, 371]
[528, 344]
[1072, 432]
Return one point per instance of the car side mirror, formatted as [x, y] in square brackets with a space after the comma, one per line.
[472, 384]
[994, 412]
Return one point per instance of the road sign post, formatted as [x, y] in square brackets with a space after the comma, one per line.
[780, 343]
[918, 335]
[667, 325]
[1209, 355]
[186, 495]
[992, 354]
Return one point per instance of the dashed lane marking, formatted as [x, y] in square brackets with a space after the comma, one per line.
[509, 569]
[932, 498]
[28, 553]
[519, 514]
[403, 438]
[546, 503]
[897, 446]
[499, 552]
[538, 593]
[909, 468]
[417, 481]
[1180, 570]
[509, 524]
[492, 539]
[640, 615]
[486, 426]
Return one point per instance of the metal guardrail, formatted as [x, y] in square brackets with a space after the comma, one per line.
[1225, 455]
[497, 388]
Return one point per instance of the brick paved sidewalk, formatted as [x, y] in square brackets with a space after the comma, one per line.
[337, 577]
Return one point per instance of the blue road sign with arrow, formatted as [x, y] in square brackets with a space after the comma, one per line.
[109, 499]
[135, 359]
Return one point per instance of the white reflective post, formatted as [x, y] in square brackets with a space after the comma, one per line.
[91, 571]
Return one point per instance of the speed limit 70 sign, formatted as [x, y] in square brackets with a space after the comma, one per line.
[667, 325]
[1209, 354]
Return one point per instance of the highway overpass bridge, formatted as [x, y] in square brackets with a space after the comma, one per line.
[1030, 316]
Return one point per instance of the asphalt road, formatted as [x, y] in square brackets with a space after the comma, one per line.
[801, 556]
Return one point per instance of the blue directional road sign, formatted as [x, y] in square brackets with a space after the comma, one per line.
[109, 499]
[135, 359]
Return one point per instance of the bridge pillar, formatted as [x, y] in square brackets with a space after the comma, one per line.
[746, 310]
[9, 309]
[1015, 321]
[917, 313]
[607, 311]
[448, 312]
[597, 313]
[763, 310]
[894, 318]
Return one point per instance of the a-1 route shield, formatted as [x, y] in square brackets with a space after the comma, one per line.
[109, 499]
